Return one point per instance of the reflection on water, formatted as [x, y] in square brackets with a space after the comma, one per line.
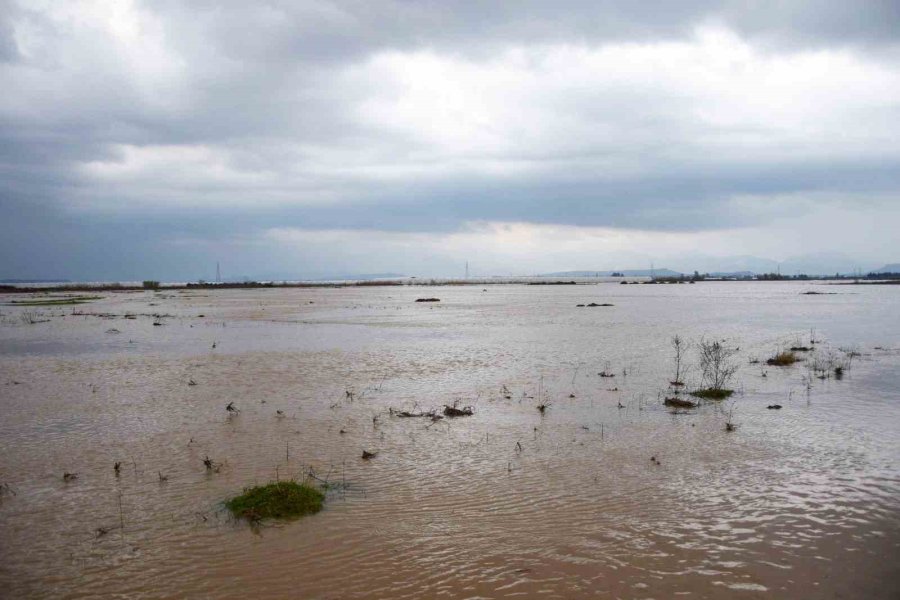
[797, 502]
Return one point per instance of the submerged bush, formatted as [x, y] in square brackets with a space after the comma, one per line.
[712, 393]
[717, 364]
[279, 500]
[783, 359]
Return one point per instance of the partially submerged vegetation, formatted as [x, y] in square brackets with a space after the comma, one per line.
[456, 411]
[679, 346]
[30, 317]
[712, 393]
[783, 359]
[278, 500]
[730, 425]
[679, 403]
[718, 368]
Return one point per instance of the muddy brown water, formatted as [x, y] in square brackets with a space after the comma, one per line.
[800, 502]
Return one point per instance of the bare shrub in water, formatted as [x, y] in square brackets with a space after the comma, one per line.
[30, 317]
[717, 364]
[679, 345]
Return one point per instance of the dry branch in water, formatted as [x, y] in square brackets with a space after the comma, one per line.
[453, 411]
[679, 403]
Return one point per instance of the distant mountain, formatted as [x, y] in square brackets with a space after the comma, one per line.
[823, 264]
[746, 266]
[624, 272]
[725, 264]
[811, 264]
[277, 276]
[891, 268]
[361, 277]
[732, 274]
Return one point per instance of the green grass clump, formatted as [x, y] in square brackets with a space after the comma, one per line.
[279, 500]
[783, 359]
[712, 393]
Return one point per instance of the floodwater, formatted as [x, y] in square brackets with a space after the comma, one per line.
[802, 502]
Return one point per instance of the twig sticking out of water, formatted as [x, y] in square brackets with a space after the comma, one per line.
[679, 346]
[6, 489]
[405, 414]
[121, 518]
[211, 466]
[730, 425]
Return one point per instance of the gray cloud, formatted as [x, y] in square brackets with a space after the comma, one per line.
[128, 127]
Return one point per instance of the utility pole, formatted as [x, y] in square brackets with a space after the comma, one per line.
[467, 269]
[218, 274]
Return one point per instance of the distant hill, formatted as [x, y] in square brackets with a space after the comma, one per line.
[823, 263]
[732, 274]
[360, 277]
[276, 276]
[891, 268]
[624, 272]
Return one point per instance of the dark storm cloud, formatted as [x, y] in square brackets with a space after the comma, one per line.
[123, 126]
[325, 31]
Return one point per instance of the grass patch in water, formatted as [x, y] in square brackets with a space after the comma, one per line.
[279, 500]
[712, 394]
[783, 359]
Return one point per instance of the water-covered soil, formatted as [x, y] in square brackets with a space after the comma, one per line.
[604, 493]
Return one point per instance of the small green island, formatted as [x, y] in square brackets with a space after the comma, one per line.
[279, 500]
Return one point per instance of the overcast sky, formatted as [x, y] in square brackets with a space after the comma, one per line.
[145, 139]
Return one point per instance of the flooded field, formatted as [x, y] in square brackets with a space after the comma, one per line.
[604, 493]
